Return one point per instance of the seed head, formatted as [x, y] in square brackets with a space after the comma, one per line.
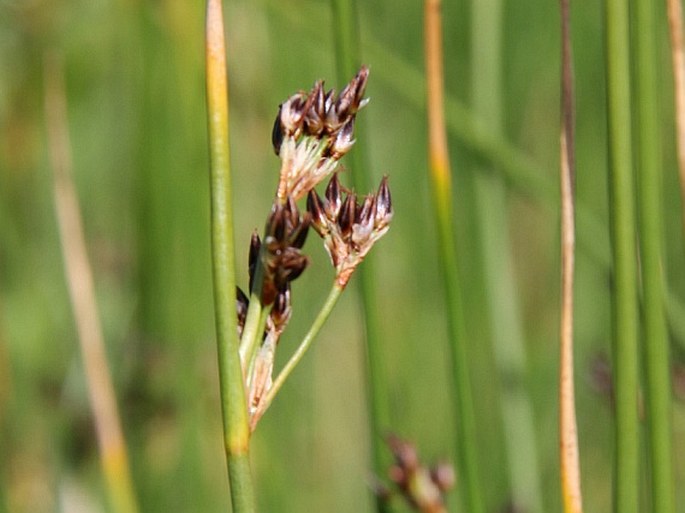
[349, 229]
[423, 487]
[312, 131]
[281, 258]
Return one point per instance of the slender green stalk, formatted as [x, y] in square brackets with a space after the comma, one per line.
[250, 339]
[568, 430]
[348, 60]
[503, 311]
[622, 222]
[233, 404]
[441, 186]
[249, 363]
[316, 326]
[656, 351]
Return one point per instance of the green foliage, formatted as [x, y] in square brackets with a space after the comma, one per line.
[135, 84]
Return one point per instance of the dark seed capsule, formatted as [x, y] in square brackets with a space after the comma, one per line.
[366, 210]
[277, 133]
[344, 140]
[315, 208]
[347, 214]
[334, 197]
[316, 114]
[255, 245]
[241, 306]
[383, 202]
[351, 96]
[277, 223]
[299, 234]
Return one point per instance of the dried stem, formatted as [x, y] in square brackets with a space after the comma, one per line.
[568, 435]
[111, 443]
[675, 27]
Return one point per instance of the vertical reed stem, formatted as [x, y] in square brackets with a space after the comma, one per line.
[498, 270]
[441, 185]
[348, 60]
[649, 165]
[622, 223]
[568, 434]
[111, 442]
[233, 404]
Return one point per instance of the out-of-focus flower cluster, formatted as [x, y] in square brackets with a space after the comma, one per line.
[423, 487]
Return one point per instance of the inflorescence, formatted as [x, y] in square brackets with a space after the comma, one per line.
[311, 133]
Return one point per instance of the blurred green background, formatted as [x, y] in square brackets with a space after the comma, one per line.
[135, 92]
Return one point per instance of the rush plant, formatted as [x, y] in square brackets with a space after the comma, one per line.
[313, 130]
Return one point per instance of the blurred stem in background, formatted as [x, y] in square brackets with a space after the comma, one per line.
[498, 266]
[233, 404]
[675, 25]
[655, 335]
[348, 61]
[441, 186]
[5, 394]
[568, 429]
[624, 285]
[79, 275]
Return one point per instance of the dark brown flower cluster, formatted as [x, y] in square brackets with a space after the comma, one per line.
[349, 229]
[423, 487]
[313, 131]
[281, 260]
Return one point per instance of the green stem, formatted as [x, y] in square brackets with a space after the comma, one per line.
[252, 353]
[319, 321]
[503, 311]
[441, 187]
[656, 351]
[346, 39]
[467, 440]
[233, 403]
[253, 320]
[348, 60]
[622, 222]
